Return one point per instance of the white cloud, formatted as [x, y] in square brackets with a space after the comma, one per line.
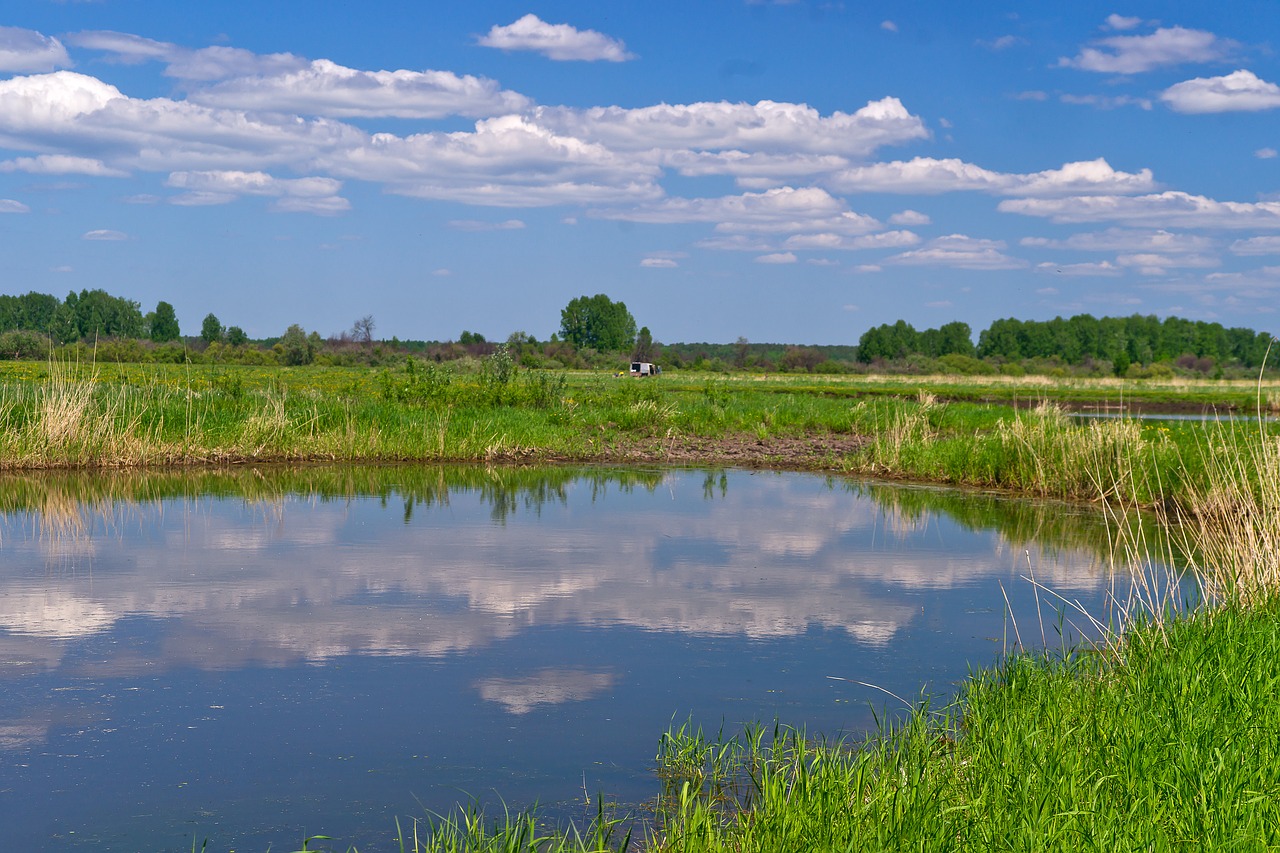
[205, 64]
[1266, 153]
[1239, 91]
[319, 205]
[1119, 22]
[865, 268]
[1104, 268]
[104, 234]
[1125, 240]
[1135, 54]
[1003, 42]
[928, 175]
[882, 240]
[481, 225]
[769, 126]
[777, 258]
[326, 88]
[1107, 102]
[782, 210]
[658, 263]
[1031, 95]
[1162, 209]
[909, 217]
[126, 47]
[25, 51]
[60, 164]
[888, 26]
[1257, 246]
[8, 205]
[293, 195]
[556, 41]
[960, 252]
[202, 199]
[1150, 263]
[940, 303]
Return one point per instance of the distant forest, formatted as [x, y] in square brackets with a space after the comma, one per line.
[35, 324]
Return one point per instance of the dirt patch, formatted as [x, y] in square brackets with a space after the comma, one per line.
[816, 452]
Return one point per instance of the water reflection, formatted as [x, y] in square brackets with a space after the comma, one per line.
[479, 614]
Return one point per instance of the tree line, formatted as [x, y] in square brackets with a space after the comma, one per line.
[1121, 342]
[596, 330]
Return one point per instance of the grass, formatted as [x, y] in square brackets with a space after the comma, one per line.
[77, 416]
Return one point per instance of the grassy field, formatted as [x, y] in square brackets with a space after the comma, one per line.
[81, 416]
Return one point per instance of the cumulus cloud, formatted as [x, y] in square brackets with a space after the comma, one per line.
[506, 161]
[556, 41]
[1168, 208]
[1257, 246]
[1103, 268]
[960, 252]
[1239, 91]
[104, 234]
[202, 65]
[928, 175]
[1150, 263]
[782, 210]
[1126, 240]
[1120, 22]
[1135, 54]
[658, 263]
[882, 240]
[60, 164]
[768, 126]
[888, 26]
[8, 205]
[1266, 153]
[295, 195]
[25, 51]
[777, 258]
[326, 88]
[909, 217]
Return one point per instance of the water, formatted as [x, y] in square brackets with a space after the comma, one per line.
[256, 656]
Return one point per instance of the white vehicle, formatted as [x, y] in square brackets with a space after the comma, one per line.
[644, 368]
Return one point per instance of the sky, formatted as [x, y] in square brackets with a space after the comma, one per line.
[781, 171]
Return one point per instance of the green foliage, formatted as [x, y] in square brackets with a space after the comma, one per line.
[295, 347]
[236, 336]
[211, 330]
[163, 323]
[20, 343]
[599, 323]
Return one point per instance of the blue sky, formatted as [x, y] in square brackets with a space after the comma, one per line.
[792, 172]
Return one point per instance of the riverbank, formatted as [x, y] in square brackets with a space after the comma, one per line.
[1163, 741]
[135, 416]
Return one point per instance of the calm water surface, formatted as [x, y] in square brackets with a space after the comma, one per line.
[259, 655]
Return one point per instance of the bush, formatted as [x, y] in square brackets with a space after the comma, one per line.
[20, 343]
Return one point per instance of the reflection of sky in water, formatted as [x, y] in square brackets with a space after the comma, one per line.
[258, 668]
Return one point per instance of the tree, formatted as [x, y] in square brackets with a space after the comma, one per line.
[362, 330]
[295, 348]
[236, 336]
[164, 323]
[211, 329]
[643, 350]
[599, 323]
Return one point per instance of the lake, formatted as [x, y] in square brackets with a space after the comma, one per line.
[252, 656]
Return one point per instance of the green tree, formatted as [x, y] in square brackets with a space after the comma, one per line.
[236, 336]
[643, 350]
[164, 323]
[294, 346]
[211, 329]
[598, 322]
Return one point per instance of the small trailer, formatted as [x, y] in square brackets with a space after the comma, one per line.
[644, 368]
